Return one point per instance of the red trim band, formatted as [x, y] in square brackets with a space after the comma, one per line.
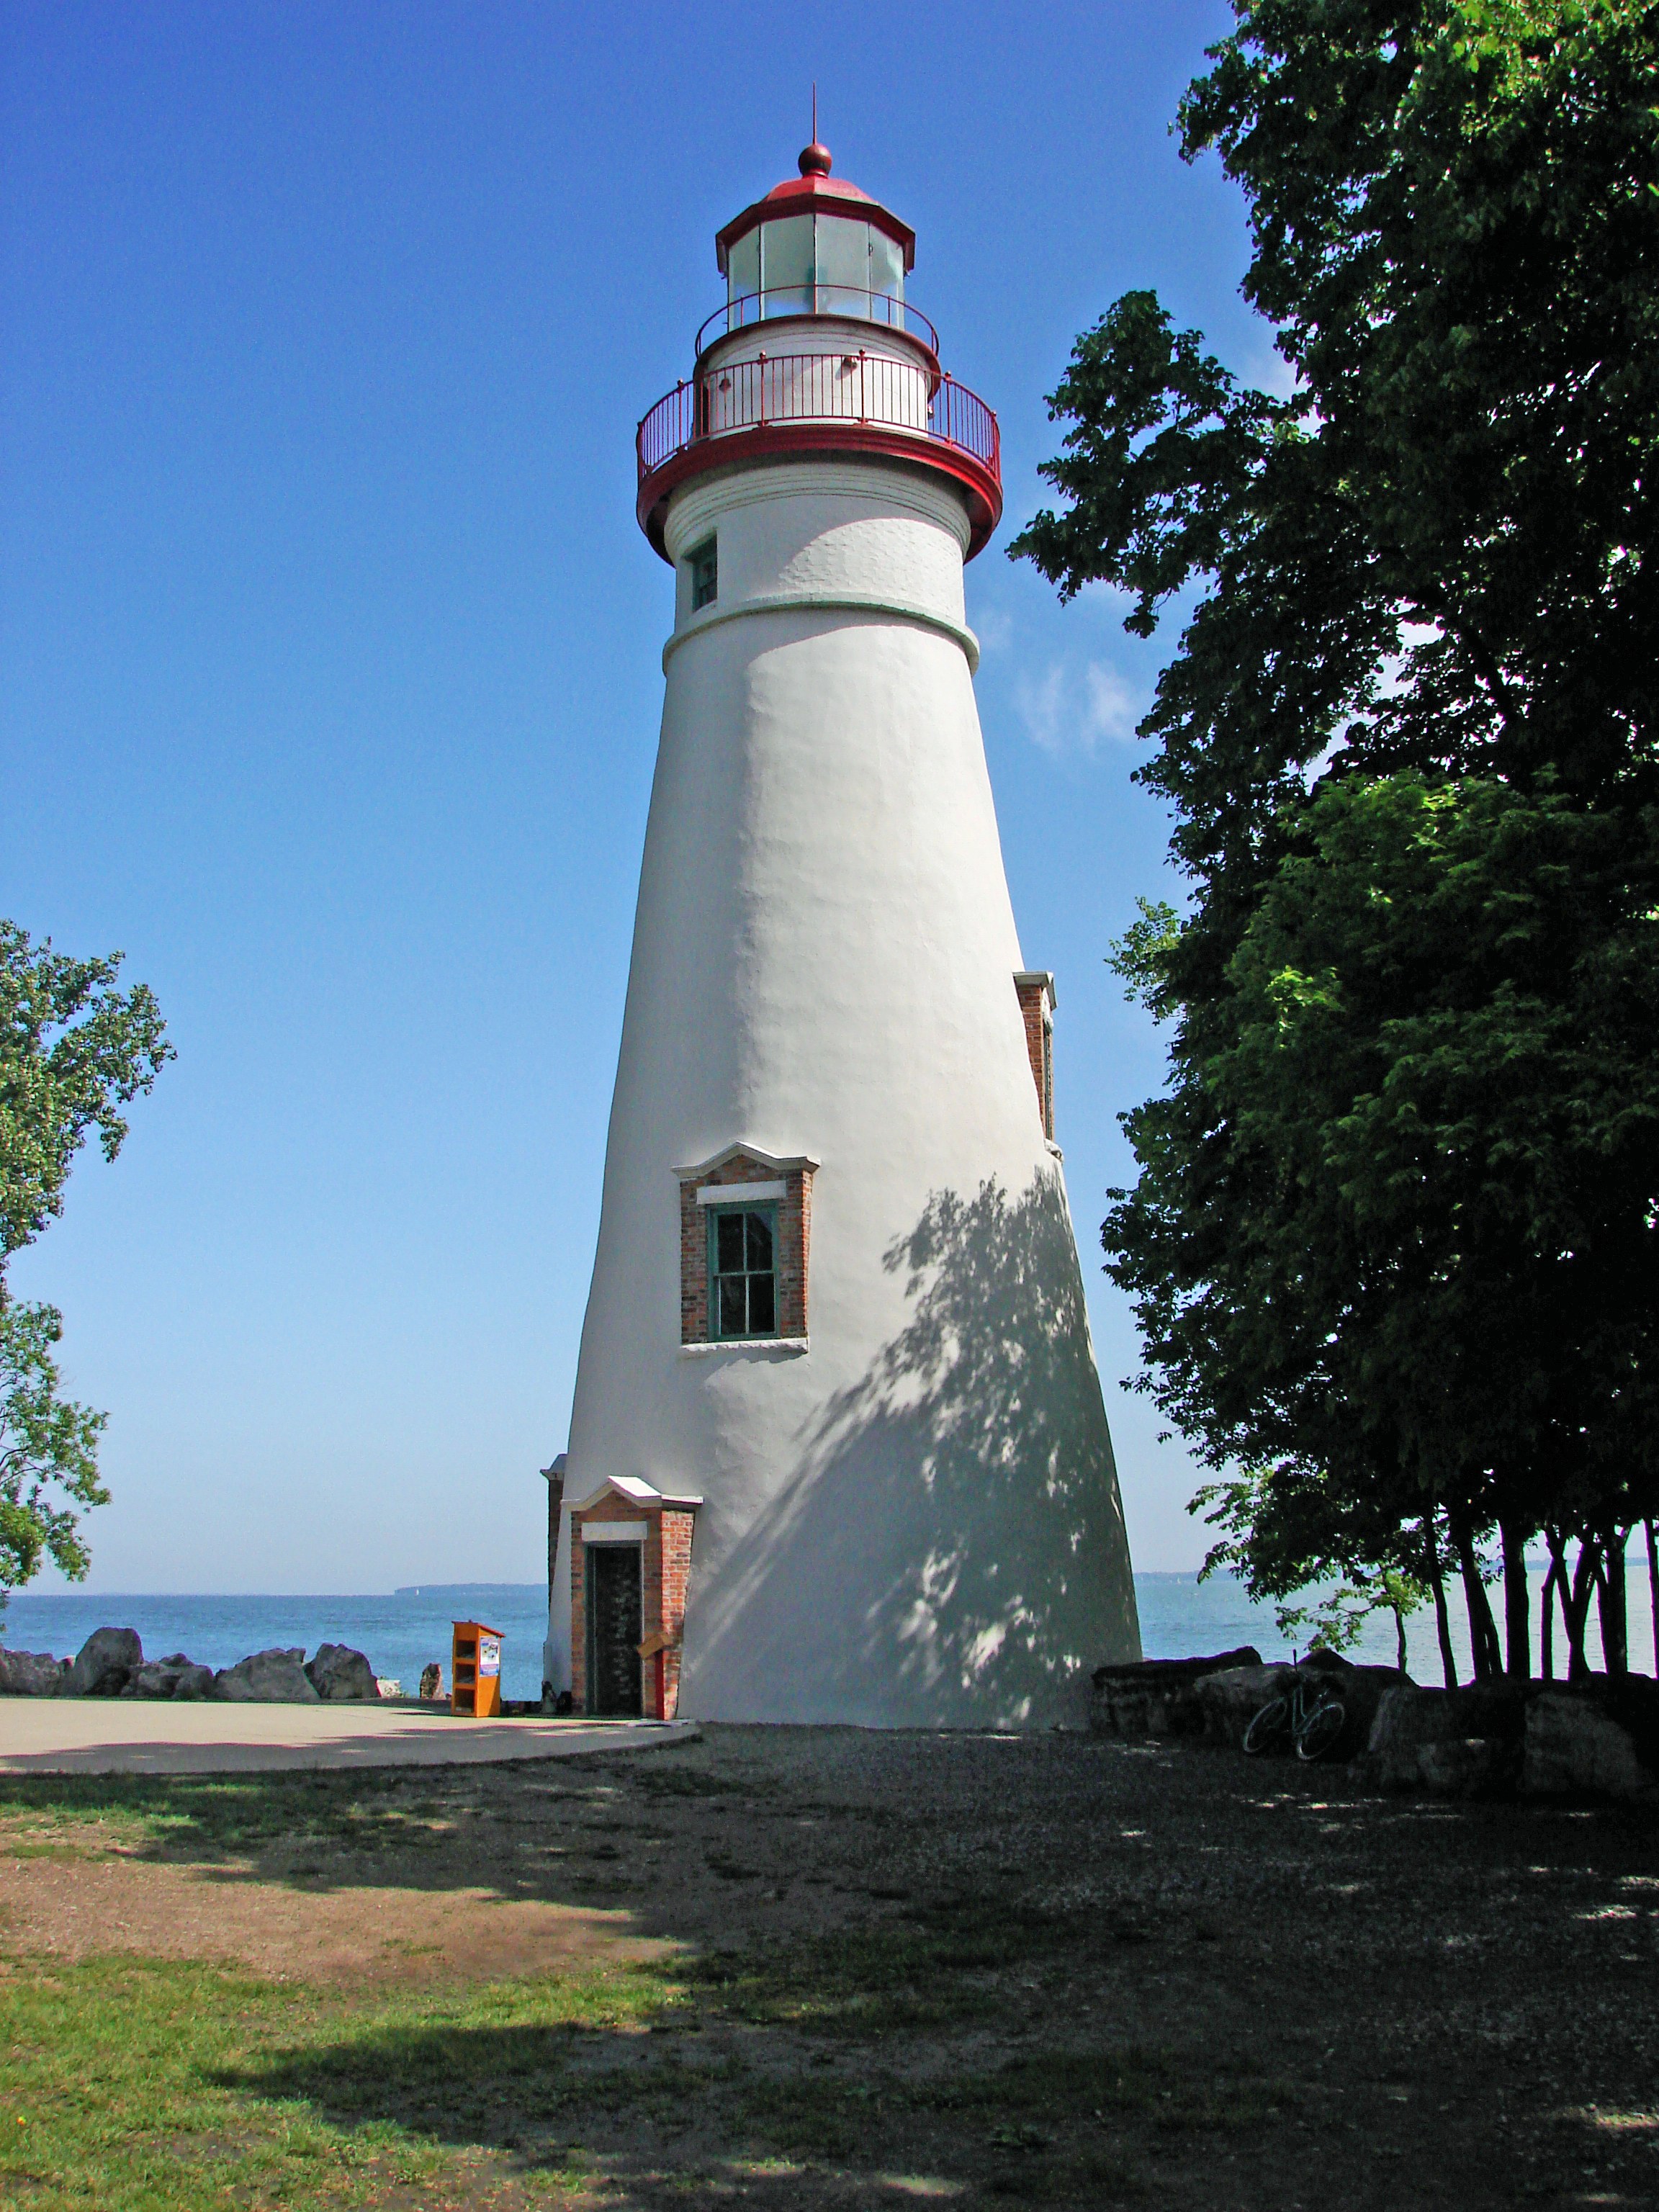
[770, 442]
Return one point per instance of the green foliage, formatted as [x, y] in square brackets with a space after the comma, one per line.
[1339, 1620]
[48, 1451]
[1394, 1239]
[1141, 954]
[1396, 1204]
[74, 1050]
[1432, 552]
[1162, 449]
[1285, 1527]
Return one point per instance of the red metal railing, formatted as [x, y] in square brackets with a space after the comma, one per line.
[795, 300]
[820, 388]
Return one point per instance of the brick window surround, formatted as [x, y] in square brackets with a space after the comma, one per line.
[740, 1173]
[1035, 989]
[665, 1577]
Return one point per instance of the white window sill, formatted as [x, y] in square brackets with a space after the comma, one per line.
[793, 1345]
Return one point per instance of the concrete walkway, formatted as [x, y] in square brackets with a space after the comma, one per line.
[98, 1735]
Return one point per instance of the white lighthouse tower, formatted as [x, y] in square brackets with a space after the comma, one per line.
[838, 1450]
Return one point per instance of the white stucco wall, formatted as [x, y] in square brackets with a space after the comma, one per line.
[916, 1520]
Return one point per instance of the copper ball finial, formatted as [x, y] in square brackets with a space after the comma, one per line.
[815, 160]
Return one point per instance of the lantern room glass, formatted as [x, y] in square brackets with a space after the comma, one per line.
[822, 264]
[743, 281]
[787, 265]
[887, 273]
[843, 267]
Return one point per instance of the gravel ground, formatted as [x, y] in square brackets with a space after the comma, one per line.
[1347, 2000]
[1037, 1970]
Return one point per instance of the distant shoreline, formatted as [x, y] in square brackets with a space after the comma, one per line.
[428, 1592]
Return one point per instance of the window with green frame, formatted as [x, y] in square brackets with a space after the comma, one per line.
[742, 1277]
[704, 562]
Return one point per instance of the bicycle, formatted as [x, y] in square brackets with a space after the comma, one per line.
[1312, 1715]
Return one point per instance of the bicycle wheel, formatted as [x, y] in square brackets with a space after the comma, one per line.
[1319, 1733]
[1269, 1724]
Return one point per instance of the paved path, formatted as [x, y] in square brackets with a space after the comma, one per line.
[98, 1735]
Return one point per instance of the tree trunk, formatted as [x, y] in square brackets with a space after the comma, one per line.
[1483, 1629]
[1546, 1627]
[1653, 1591]
[1441, 1618]
[1517, 1610]
[1573, 1590]
[1399, 1639]
[1610, 1599]
[1575, 1601]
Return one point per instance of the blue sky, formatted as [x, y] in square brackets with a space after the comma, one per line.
[332, 678]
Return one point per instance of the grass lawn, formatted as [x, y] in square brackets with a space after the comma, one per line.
[820, 1968]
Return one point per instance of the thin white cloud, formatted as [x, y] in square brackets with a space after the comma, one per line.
[1068, 712]
[994, 629]
[1042, 705]
[1113, 708]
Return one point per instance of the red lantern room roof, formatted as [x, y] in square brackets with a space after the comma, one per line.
[818, 363]
[815, 191]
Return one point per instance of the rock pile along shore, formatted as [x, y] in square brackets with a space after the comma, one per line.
[111, 1663]
[1597, 1738]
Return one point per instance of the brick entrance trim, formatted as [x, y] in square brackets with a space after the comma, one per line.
[1036, 990]
[746, 1166]
[665, 1577]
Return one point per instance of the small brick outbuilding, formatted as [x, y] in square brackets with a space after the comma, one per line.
[631, 1567]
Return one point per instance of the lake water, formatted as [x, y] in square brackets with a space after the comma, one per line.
[1180, 1618]
[399, 1631]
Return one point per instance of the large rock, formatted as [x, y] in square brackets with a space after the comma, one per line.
[342, 1677]
[104, 1664]
[1230, 1700]
[1157, 1698]
[1463, 1743]
[1468, 1766]
[1588, 1740]
[1362, 1690]
[194, 1682]
[277, 1677]
[162, 1678]
[1598, 1738]
[31, 1674]
[1219, 1697]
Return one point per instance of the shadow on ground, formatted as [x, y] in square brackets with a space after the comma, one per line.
[1040, 1969]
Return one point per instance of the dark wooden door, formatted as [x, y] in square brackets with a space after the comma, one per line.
[614, 1629]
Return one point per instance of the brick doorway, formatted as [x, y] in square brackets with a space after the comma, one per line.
[630, 1568]
[615, 1627]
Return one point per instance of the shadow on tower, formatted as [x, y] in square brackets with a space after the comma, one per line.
[952, 1552]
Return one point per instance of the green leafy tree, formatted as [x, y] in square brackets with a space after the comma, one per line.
[48, 1451]
[1421, 1277]
[1287, 1525]
[1395, 1238]
[74, 1050]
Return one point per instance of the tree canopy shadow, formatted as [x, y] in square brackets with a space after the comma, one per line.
[1037, 1966]
[956, 1536]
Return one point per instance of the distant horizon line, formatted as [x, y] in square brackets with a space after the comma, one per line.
[80, 1592]
[404, 1590]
